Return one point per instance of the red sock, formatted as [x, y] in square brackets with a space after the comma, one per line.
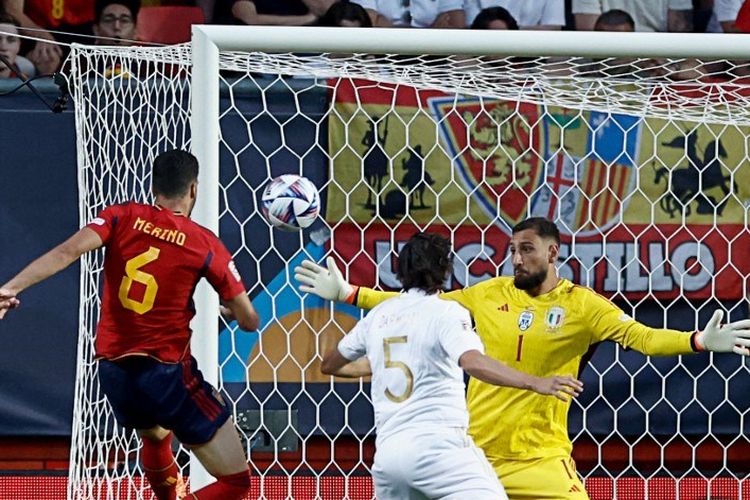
[160, 467]
[231, 487]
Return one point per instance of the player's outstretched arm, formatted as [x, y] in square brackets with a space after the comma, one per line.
[327, 283]
[50, 263]
[732, 337]
[493, 372]
[334, 363]
[241, 310]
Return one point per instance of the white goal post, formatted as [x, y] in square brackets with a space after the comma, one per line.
[501, 124]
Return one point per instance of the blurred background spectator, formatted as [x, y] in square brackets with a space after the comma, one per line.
[724, 16]
[615, 20]
[742, 23]
[10, 46]
[120, 22]
[416, 13]
[285, 13]
[494, 18]
[168, 24]
[115, 21]
[649, 15]
[346, 14]
[70, 17]
[529, 14]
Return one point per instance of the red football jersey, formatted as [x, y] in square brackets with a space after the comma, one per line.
[53, 13]
[153, 262]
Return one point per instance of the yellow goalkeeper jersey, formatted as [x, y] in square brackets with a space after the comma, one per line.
[544, 335]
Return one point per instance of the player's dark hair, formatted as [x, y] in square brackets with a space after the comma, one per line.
[99, 5]
[173, 173]
[486, 16]
[613, 17]
[345, 11]
[425, 262]
[541, 226]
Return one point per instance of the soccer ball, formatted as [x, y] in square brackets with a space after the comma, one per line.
[290, 202]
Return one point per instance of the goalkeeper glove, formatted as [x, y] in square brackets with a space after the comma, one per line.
[732, 337]
[325, 283]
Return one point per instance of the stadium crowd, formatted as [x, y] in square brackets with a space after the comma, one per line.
[55, 23]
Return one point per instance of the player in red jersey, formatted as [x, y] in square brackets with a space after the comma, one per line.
[155, 257]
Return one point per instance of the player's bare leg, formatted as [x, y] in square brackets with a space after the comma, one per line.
[224, 458]
[158, 463]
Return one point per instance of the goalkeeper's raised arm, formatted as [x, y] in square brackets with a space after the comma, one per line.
[328, 283]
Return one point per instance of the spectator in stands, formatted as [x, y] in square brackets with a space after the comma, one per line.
[115, 24]
[725, 20]
[416, 13]
[615, 20]
[494, 18]
[649, 15]
[346, 14]
[288, 13]
[618, 21]
[702, 11]
[10, 46]
[40, 16]
[498, 18]
[529, 14]
[115, 21]
[724, 16]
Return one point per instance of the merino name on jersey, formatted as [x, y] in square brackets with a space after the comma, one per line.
[170, 235]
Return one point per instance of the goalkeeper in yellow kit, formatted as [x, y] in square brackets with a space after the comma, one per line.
[541, 324]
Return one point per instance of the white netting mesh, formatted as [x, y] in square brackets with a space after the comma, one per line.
[643, 164]
[121, 125]
[677, 88]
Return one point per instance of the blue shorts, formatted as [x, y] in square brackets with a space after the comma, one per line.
[145, 393]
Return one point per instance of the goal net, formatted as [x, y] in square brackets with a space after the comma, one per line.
[642, 161]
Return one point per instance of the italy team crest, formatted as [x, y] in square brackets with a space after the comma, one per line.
[554, 317]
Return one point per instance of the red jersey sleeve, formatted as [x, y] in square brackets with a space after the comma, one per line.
[223, 274]
[104, 224]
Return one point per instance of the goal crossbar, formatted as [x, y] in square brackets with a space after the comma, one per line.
[472, 42]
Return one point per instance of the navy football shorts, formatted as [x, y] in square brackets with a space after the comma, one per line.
[145, 393]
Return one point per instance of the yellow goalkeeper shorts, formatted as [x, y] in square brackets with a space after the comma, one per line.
[539, 479]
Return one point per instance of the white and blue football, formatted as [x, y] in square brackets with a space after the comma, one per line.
[290, 202]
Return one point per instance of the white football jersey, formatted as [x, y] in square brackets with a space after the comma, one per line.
[413, 343]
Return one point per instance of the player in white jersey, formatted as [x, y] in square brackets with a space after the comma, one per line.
[416, 346]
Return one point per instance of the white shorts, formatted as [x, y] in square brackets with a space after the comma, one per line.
[434, 463]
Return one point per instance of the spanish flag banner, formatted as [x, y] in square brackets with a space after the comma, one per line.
[647, 206]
